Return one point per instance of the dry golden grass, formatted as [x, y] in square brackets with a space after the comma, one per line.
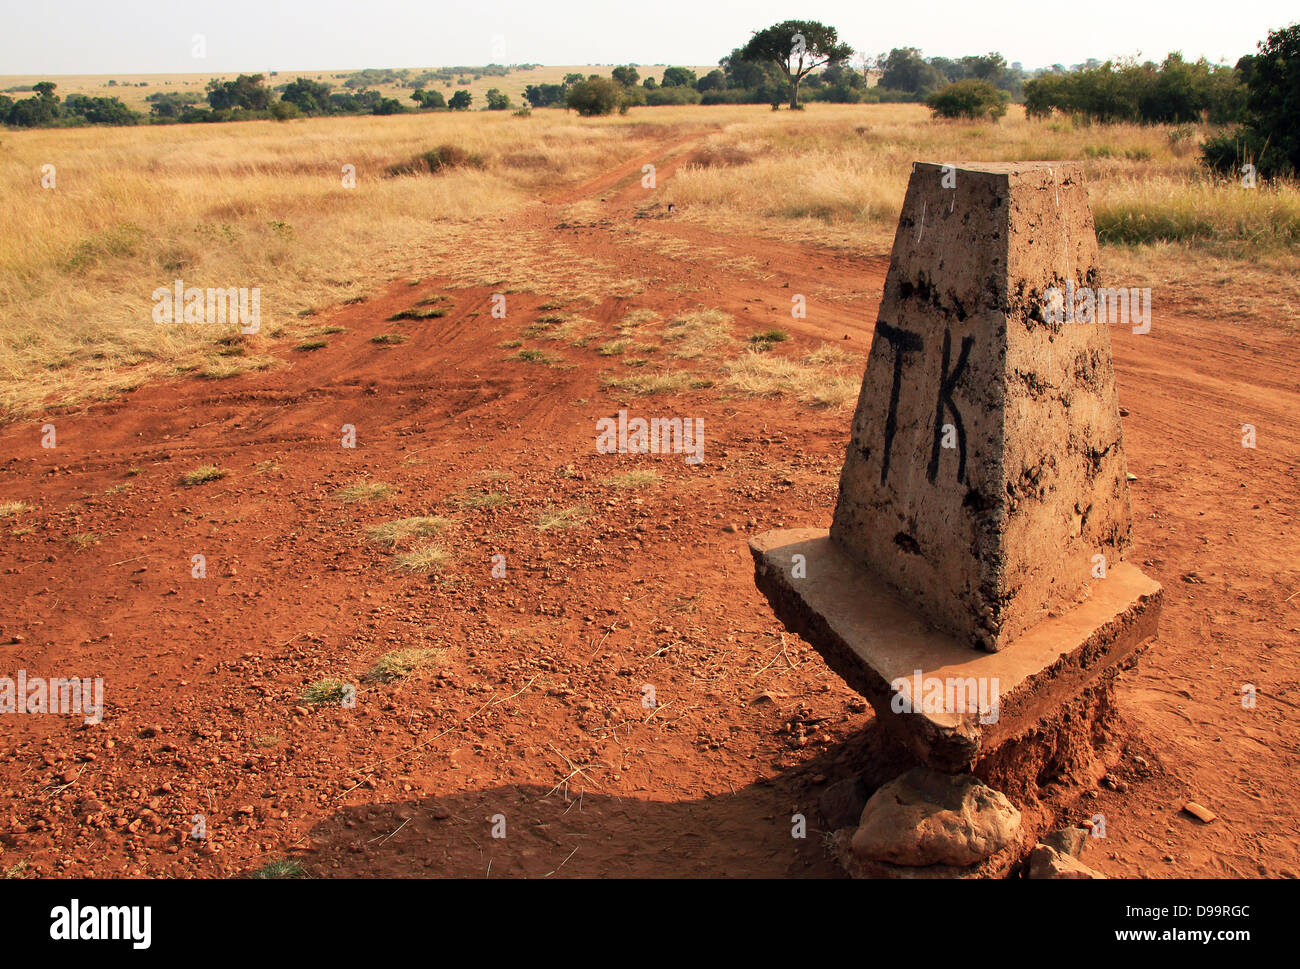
[363, 491]
[634, 479]
[836, 175]
[692, 335]
[817, 379]
[393, 533]
[261, 204]
[255, 204]
[552, 517]
[401, 663]
[425, 558]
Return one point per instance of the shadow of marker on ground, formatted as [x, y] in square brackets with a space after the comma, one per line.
[595, 834]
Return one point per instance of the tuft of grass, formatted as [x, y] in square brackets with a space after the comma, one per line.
[770, 337]
[552, 517]
[326, 691]
[267, 466]
[423, 559]
[388, 338]
[479, 499]
[392, 533]
[203, 474]
[829, 355]
[330, 330]
[757, 374]
[401, 663]
[646, 384]
[633, 479]
[284, 868]
[11, 508]
[694, 334]
[613, 347]
[637, 318]
[419, 312]
[228, 367]
[83, 540]
[363, 491]
[532, 356]
[307, 346]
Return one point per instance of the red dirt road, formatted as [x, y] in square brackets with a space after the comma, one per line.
[532, 718]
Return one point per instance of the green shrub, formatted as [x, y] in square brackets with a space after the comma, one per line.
[969, 99]
[597, 95]
[1270, 137]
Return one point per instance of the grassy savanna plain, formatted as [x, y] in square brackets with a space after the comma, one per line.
[264, 204]
[329, 565]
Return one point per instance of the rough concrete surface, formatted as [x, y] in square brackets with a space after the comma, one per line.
[876, 640]
[986, 465]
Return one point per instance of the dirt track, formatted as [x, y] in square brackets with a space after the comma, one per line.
[536, 710]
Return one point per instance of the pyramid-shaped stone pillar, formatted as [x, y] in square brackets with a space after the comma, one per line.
[986, 469]
[983, 513]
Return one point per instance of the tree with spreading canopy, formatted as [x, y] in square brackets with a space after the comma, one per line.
[797, 47]
[627, 75]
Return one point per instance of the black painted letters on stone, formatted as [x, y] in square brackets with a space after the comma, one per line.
[904, 342]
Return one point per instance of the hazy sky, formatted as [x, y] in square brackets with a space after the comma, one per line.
[156, 36]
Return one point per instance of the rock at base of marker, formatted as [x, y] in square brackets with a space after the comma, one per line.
[926, 818]
[1047, 862]
[1068, 841]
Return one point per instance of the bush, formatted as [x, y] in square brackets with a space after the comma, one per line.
[1270, 137]
[438, 160]
[969, 99]
[672, 95]
[678, 77]
[311, 97]
[597, 95]
[1230, 153]
[1172, 92]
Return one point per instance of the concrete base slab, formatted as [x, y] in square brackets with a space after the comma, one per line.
[877, 643]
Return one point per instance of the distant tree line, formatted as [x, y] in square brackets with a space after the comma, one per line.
[248, 97]
[1174, 91]
[790, 61]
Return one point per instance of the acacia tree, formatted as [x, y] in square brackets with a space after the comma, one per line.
[797, 47]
